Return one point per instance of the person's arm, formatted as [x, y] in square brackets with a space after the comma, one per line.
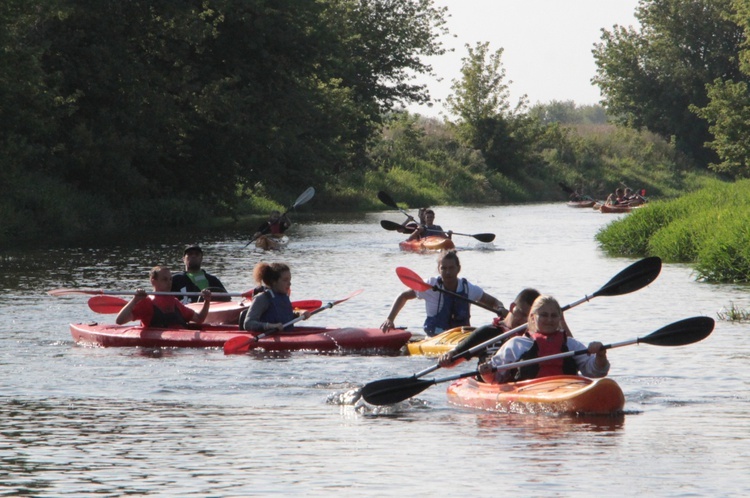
[396, 308]
[215, 285]
[126, 313]
[594, 364]
[201, 316]
[494, 303]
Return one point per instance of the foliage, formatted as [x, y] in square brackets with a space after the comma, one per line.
[200, 102]
[652, 78]
[709, 227]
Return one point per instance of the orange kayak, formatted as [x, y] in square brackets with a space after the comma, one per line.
[609, 208]
[581, 204]
[431, 243]
[558, 394]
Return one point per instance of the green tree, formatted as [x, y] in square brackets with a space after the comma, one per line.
[650, 78]
[486, 119]
[728, 109]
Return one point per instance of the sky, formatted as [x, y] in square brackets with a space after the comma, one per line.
[546, 46]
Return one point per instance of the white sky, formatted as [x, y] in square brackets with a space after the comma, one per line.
[547, 45]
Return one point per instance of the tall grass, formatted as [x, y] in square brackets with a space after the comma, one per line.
[709, 228]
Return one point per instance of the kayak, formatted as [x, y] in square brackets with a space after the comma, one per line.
[610, 208]
[557, 394]
[581, 204]
[214, 336]
[222, 312]
[271, 242]
[439, 344]
[431, 243]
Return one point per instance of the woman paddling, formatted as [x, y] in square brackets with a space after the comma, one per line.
[547, 335]
[443, 310]
[271, 309]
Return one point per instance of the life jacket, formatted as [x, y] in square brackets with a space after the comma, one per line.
[433, 230]
[280, 311]
[546, 345]
[164, 319]
[275, 228]
[452, 311]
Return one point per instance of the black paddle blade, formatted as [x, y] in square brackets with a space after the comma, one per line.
[390, 391]
[390, 225]
[387, 200]
[485, 237]
[634, 277]
[681, 333]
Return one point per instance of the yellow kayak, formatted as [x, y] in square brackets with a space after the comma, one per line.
[439, 344]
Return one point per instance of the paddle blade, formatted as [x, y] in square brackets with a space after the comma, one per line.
[634, 277]
[355, 293]
[387, 200]
[304, 197]
[484, 237]
[390, 391]
[390, 225]
[238, 345]
[307, 305]
[681, 333]
[107, 305]
[412, 280]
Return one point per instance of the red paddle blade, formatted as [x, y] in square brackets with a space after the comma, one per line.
[238, 345]
[412, 280]
[108, 305]
[307, 305]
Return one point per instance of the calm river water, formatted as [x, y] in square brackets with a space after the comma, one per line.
[79, 421]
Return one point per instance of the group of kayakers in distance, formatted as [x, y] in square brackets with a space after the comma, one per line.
[625, 197]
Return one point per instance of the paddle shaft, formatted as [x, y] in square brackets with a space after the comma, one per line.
[97, 292]
[292, 322]
[388, 201]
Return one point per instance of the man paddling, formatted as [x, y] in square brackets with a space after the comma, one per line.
[194, 279]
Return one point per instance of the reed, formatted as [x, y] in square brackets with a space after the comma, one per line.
[733, 314]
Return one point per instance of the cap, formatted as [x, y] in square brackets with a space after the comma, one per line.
[194, 247]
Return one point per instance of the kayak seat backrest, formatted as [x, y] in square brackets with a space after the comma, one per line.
[243, 314]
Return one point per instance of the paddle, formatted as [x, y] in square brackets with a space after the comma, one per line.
[303, 198]
[97, 292]
[482, 237]
[682, 333]
[109, 305]
[388, 201]
[634, 277]
[240, 344]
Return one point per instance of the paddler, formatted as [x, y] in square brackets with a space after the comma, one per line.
[276, 225]
[546, 336]
[195, 279]
[428, 228]
[161, 311]
[272, 308]
[444, 311]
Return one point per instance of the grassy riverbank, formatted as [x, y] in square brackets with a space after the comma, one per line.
[708, 228]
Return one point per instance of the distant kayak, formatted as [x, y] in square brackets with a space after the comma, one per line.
[431, 243]
[558, 394]
[618, 208]
[214, 336]
[271, 242]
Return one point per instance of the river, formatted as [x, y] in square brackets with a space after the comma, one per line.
[81, 421]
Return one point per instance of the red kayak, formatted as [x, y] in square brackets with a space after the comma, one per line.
[214, 336]
[619, 208]
[556, 394]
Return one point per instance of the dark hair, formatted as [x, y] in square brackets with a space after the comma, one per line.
[452, 254]
[268, 274]
[429, 211]
[527, 296]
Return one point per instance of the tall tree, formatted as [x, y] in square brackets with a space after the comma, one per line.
[486, 119]
[650, 78]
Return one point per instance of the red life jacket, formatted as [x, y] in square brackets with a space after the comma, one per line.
[547, 345]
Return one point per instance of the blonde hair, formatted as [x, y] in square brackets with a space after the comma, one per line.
[539, 302]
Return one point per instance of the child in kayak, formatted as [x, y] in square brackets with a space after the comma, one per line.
[272, 308]
[162, 311]
[428, 228]
[547, 335]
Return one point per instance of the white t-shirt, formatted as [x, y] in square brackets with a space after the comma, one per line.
[433, 298]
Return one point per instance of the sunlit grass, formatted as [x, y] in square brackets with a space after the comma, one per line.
[733, 314]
